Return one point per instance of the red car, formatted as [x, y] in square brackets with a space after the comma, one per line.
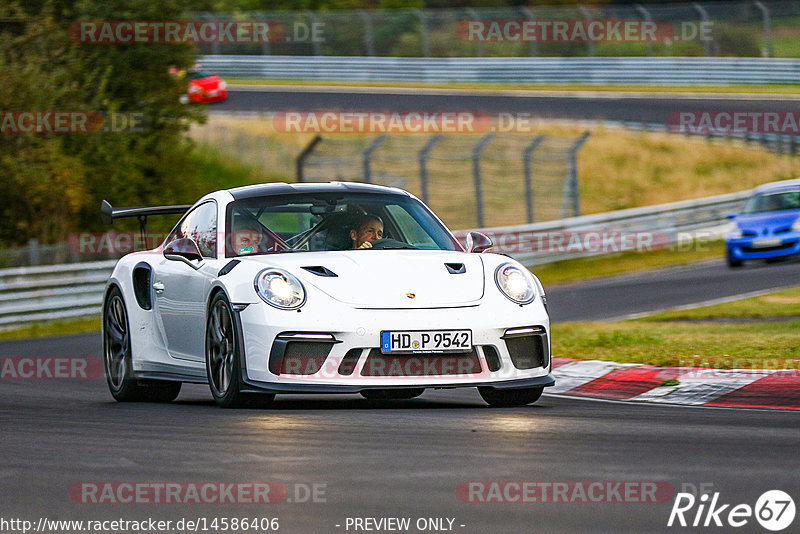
[205, 87]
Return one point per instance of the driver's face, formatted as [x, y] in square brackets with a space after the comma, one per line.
[246, 238]
[371, 231]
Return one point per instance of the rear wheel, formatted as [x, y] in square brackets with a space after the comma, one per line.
[392, 394]
[510, 397]
[117, 361]
[223, 353]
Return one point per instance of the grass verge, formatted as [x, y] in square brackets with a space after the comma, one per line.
[65, 327]
[579, 269]
[706, 341]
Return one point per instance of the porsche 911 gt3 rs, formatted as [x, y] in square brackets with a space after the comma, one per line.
[320, 288]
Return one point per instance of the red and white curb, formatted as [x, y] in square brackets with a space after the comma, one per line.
[753, 388]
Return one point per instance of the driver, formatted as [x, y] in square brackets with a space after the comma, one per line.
[367, 229]
[247, 237]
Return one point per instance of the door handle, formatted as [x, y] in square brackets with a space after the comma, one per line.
[158, 286]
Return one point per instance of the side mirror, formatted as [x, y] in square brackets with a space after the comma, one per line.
[730, 215]
[478, 242]
[183, 249]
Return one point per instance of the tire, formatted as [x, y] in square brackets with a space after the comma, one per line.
[117, 358]
[392, 394]
[502, 398]
[734, 263]
[223, 358]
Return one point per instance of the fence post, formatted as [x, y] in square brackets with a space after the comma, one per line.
[526, 165]
[587, 15]
[647, 18]
[476, 175]
[33, 252]
[312, 18]
[766, 50]
[703, 25]
[423, 31]
[367, 157]
[369, 41]
[301, 158]
[534, 45]
[571, 195]
[422, 157]
[479, 42]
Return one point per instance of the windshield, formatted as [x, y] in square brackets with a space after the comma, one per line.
[198, 74]
[332, 221]
[783, 200]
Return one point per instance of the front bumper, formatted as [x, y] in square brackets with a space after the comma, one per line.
[354, 334]
[747, 248]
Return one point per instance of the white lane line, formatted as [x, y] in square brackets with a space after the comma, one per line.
[662, 404]
[521, 93]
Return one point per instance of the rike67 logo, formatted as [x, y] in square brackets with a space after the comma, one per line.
[774, 510]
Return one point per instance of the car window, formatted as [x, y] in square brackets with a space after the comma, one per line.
[413, 232]
[765, 202]
[200, 224]
[324, 221]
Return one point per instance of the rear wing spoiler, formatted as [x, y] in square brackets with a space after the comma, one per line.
[109, 214]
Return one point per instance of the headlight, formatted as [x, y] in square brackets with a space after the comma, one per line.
[515, 283]
[222, 85]
[734, 232]
[195, 89]
[280, 289]
[796, 225]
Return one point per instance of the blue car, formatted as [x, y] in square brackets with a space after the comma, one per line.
[768, 227]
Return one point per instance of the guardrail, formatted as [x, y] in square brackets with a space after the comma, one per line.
[31, 294]
[635, 229]
[589, 70]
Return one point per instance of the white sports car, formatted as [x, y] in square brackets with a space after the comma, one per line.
[320, 288]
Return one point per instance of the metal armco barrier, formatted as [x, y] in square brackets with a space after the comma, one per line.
[635, 229]
[31, 294]
[590, 70]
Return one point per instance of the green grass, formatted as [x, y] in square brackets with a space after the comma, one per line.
[595, 267]
[659, 340]
[780, 89]
[53, 328]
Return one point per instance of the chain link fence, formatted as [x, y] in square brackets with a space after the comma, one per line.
[743, 28]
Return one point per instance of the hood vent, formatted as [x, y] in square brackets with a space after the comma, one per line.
[456, 268]
[320, 270]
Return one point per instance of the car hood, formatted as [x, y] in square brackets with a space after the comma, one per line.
[389, 278]
[211, 82]
[763, 223]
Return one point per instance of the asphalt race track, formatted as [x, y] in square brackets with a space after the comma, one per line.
[651, 108]
[398, 459]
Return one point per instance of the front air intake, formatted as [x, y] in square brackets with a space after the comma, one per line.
[527, 348]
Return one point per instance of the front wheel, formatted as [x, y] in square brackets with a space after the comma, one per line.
[117, 358]
[510, 397]
[223, 353]
[734, 263]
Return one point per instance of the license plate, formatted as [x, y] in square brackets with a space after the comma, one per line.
[764, 243]
[426, 341]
